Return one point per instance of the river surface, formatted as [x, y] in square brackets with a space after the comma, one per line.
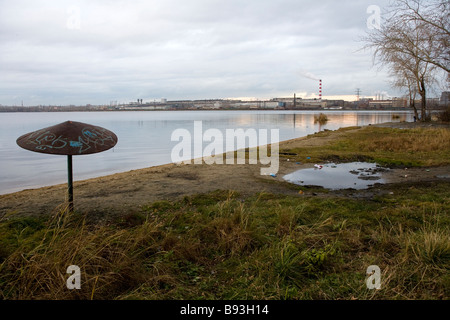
[144, 138]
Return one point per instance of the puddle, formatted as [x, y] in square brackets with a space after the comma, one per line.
[355, 175]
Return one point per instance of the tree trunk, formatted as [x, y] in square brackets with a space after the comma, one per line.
[412, 103]
[423, 94]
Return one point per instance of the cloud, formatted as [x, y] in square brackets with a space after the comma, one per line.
[75, 52]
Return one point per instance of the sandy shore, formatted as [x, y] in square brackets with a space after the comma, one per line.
[122, 193]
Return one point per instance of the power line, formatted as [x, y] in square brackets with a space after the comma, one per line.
[358, 93]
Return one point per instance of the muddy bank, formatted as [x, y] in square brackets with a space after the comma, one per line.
[122, 193]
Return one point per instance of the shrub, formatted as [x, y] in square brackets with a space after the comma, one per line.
[444, 116]
[321, 118]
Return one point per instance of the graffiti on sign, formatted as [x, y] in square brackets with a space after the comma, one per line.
[89, 139]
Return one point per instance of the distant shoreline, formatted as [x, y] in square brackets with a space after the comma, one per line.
[262, 109]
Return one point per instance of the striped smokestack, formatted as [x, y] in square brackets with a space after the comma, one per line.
[320, 89]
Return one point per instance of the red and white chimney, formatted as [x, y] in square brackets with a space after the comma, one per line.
[320, 90]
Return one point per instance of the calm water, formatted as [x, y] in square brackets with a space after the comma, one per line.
[354, 175]
[145, 138]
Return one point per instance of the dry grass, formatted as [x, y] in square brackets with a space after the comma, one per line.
[413, 140]
[107, 257]
[386, 146]
[430, 246]
[217, 246]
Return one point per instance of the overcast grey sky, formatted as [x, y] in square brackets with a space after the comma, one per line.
[97, 51]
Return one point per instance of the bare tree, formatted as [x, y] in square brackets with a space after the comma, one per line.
[435, 17]
[412, 42]
[404, 80]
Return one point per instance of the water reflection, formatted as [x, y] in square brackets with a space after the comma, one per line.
[354, 175]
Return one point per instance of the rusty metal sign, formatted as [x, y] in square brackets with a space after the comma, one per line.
[69, 138]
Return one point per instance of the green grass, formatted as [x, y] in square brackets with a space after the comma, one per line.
[219, 246]
[386, 146]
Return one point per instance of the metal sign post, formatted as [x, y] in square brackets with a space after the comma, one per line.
[69, 138]
[70, 182]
